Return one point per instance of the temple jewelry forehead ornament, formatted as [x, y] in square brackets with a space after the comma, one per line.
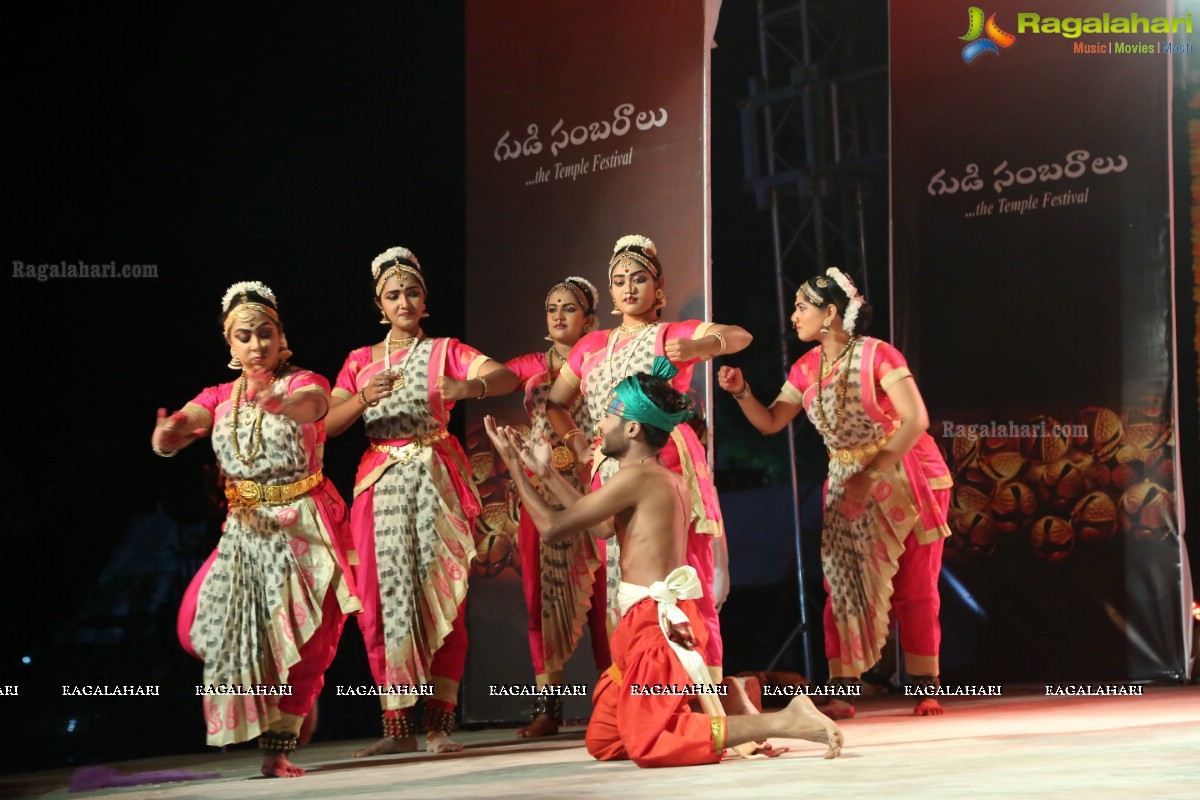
[396, 259]
[644, 258]
[245, 309]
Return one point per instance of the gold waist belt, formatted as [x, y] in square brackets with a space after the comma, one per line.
[251, 494]
[855, 455]
[407, 452]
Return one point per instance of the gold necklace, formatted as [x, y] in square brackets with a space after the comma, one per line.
[827, 368]
[843, 383]
[411, 343]
[400, 344]
[632, 329]
[550, 353]
[255, 430]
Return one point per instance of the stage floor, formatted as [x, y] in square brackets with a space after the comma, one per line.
[1022, 744]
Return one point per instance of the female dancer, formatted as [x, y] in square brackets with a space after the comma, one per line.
[563, 581]
[267, 607]
[888, 487]
[601, 360]
[414, 504]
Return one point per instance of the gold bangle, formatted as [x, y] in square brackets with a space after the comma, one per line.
[163, 453]
[362, 395]
[720, 339]
[567, 436]
[483, 381]
[742, 394]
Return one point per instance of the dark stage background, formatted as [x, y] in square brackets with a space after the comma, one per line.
[1034, 253]
[288, 144]
[285, 145]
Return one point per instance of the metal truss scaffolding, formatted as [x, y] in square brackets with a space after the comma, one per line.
[815, 137]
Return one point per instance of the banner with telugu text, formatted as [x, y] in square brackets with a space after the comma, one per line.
[585, 122]
[1033, 275]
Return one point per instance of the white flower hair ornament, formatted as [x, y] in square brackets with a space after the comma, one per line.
[854, 300]
[389, 255]
[636, 241]
[245, 287]
[395, 258]
[591, 287]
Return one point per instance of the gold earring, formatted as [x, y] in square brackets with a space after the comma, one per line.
[661, 297]
[616, 312]
[424, 314]
[234, 363]
[825, 323]
[383, 318]
[285, 352]
[548, 338]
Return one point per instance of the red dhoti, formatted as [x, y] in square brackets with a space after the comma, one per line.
[652, 730]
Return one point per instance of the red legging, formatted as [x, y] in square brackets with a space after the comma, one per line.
[915, 602]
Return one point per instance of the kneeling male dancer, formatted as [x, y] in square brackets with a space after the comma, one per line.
[645, 705]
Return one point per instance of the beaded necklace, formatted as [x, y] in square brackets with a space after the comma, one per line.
[255, 429]
[550, 353]
[843, 382]
[827, 368]
[629, 351]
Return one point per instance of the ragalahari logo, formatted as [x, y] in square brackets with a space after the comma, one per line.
[996, 38]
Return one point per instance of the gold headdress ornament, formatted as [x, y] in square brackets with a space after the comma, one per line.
[576, 286]
[244, 309]
[811, 294]
[393, 260]
[644, 258]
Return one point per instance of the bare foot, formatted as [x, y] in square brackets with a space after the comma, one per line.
[738, 703]
[542, 725]
[276, 765]
[839, 709]
[804, 721]
[928, 707]
[389, 745]
[438, 742]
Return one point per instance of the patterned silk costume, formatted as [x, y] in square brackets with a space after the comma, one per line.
[564, 581]
[889, 557]
[412, 519]
[268, 606]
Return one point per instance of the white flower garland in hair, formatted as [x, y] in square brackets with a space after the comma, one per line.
[854, 299]
[591, 286]
[635, 241]
[259, 288]
[391, 254]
